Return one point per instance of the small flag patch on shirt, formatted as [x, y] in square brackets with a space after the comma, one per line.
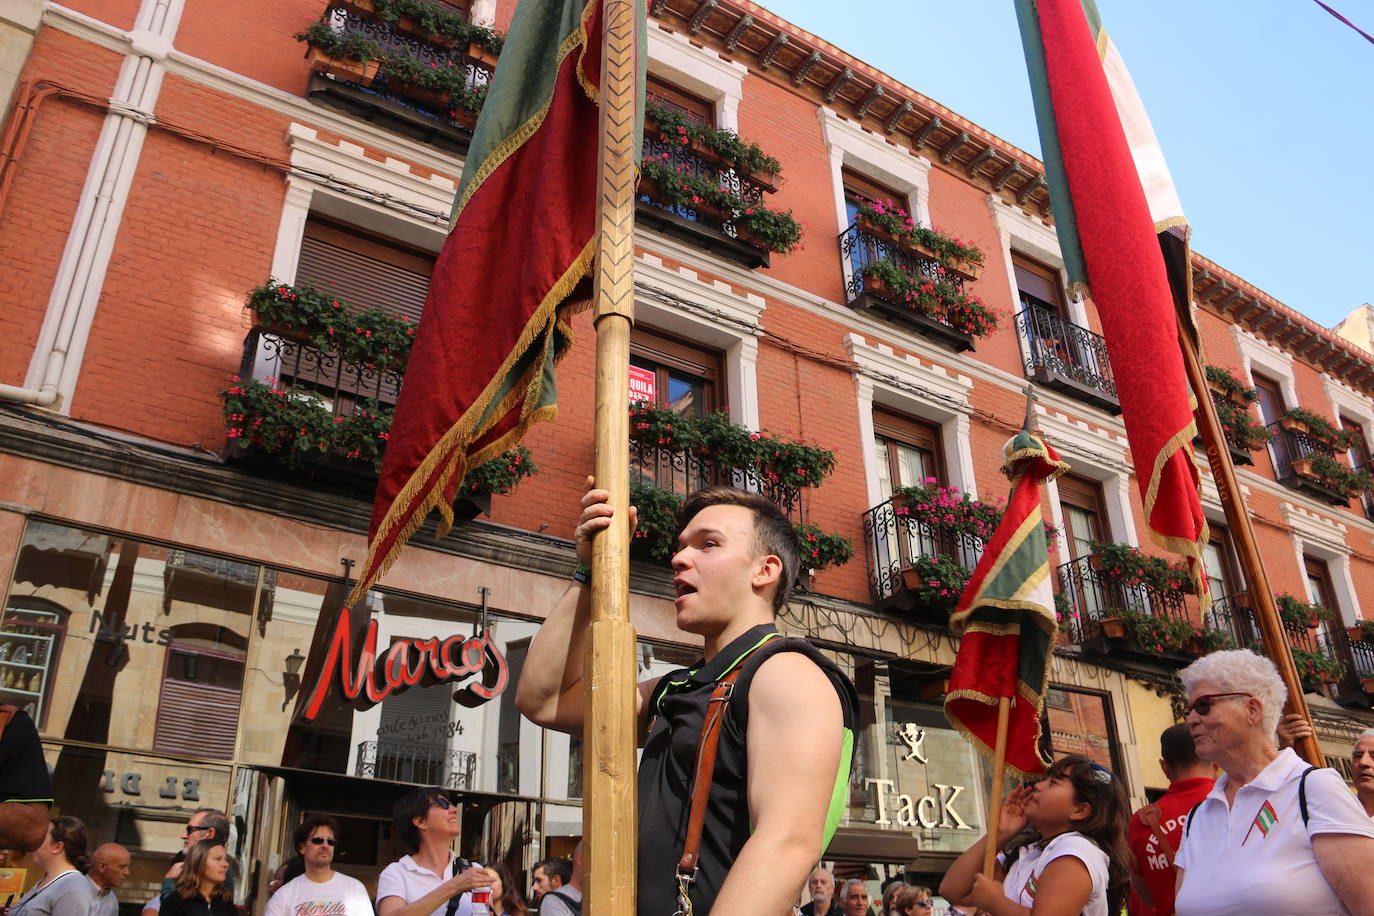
[1029, 889]
[1264, 820]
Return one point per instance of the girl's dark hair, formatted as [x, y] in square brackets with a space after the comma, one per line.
[193, 869]
[310, 825]
[410, 806]
[1097, 786]
[71, 833]
[512, 901]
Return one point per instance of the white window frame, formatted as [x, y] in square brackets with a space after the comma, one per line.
[925, 392]
[1097, 455]
[712, 314]
[1346, 402]
[1270, 360]
[672, 57]
[1324, 539]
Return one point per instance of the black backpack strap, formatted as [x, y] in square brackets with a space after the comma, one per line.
[1188, 822]
[1302, 794]
[459, 864]
[574, 905]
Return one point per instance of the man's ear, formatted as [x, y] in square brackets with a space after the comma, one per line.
[767, 572]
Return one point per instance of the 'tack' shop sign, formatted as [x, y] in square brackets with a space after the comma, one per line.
[371, 679]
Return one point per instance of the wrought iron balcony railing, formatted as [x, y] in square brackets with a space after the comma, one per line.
[701, 224]
[1065, 356]
[860, 248]
[1367, 498]
[895, 539]
[682, 472]
[1094, 597]
[405, 761]
[1231, 614]
[1292, 453]
[305, 370]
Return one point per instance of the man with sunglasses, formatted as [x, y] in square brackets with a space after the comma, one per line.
[321, 891]
[1155, 830]
[203, 824]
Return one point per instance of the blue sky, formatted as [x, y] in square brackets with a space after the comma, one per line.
[1262, 108]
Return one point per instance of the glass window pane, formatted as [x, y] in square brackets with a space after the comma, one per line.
[913, 465]
[880, 447]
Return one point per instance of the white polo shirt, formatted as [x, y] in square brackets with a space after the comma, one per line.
[404, 879]
[1023, 878]
[1249, 859]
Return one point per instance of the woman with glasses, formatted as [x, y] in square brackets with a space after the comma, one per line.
[1274, 835]
[62, 860]
[432, 880]
[201, 888]
[913, 900]
[320, 889]
[1075, 861]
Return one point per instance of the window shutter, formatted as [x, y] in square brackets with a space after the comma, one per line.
[197, 720]
[1036, 282]
[361, 279]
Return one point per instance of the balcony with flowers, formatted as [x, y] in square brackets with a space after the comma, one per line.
[675, 454]
[708, 186]
[923, 543]
[313, 400]
[1233, 400]
[417, 67]
[914, 276]
[1304, 447]
[1118, 600]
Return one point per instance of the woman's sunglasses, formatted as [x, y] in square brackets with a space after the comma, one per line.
[1203, 704]
[440, 801]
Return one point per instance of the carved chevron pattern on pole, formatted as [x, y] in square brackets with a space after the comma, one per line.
[619, 175]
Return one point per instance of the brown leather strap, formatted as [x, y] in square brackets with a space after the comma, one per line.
[1150, 816]
[706, 764]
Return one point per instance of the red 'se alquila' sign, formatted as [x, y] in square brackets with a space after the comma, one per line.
[370, 680]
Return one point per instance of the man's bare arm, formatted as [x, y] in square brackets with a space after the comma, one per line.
[795, 734]
[23, 825]
[550, 690]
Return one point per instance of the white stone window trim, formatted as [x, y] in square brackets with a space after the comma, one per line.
[1017, 232]
[711, 314]
[699, 71]
[926, 392]
[1269, 360]
[1345, 401]
[1324, 539]
[1097, 455]
[851, 146]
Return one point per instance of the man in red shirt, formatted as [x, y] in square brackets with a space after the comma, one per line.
[1155, 830]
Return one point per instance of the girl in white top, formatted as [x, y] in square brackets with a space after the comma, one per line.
[426, 882]
[1076, 865]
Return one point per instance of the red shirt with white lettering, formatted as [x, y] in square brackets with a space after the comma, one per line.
[1150, 860]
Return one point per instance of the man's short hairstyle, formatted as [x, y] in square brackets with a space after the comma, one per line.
[1367, 733]
[410, 806]
[1176, 747]
[310, 825]
[773, 533]
[215, 820]
[556, 867]
[850, 883]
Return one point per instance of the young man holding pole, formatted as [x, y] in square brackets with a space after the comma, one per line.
[783, 741]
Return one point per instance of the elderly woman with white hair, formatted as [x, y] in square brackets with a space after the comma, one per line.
[1274, 835]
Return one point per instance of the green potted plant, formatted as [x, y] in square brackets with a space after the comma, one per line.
[1155, 634]
[1206, 640]
[369, 337]
[352, 56]
[1129, 566]
[662, 427]
[935, 583]
[1226, 386]
[795, 464]
[771, 230]
[731, 445]
[1317, 669]
[1241, 428]
[1300, 615]
[820, 549]
[1301, 420]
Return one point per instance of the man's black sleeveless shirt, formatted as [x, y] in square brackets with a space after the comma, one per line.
[678, 707]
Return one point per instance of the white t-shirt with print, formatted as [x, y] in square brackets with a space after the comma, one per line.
[1024, 876]
[407, 880]
[1236, 861]
[339, 896]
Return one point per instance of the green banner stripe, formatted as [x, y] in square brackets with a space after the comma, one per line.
[1026, 557]
[1065, 224]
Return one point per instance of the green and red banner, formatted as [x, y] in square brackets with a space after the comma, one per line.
[514, 268]
[1006, 617]
[1112, 197]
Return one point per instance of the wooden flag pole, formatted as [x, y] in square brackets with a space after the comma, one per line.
[608, 773]
[1238, 520]
[999, 778]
